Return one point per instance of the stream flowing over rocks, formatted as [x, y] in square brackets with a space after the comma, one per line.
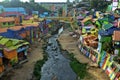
[57, 67]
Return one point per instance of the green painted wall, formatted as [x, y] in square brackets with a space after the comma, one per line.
[7, 24]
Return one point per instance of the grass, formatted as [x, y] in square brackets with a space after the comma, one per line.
[79, 68]
[38, 65]
[37, 68]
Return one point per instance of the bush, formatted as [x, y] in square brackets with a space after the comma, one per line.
[79, 68]
[38, 66]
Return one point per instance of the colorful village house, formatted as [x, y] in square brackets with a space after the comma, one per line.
[16, 15]
[116, 44]
[1, 58]
[12, 50]
[105, 59]
[103, 38]
[7, 22]
[12, 32]
[105, 46]
[1, 63]
[43, 26]
[36, 33]
[9, 55]
[22, 49]
[113, 71]
[106, 50]
[116, 57]
[18, 12]
[24, 32]
[30, 33]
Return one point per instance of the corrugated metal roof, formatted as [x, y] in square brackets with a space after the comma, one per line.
[15, 41]
[16, 9]
[2, 30]
[3, 41]
[13, 32]
[1, 7]
[108, 31]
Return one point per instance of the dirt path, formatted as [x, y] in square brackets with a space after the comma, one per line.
[25, 72]
[70, 44]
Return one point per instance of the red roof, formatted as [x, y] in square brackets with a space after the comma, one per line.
[4, 14]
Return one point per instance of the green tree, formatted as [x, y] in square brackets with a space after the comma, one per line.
[33, 1]
[29, 6]
[6, 0]
[2, 10]
[100, 4]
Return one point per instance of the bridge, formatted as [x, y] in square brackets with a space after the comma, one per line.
[63, 19]
[60, 18]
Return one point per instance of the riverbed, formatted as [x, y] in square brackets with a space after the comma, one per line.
[57, 67]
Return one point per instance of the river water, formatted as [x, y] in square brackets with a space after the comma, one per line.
[57, 67]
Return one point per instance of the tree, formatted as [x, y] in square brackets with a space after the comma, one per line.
[6, 0]
[15, 3]
[68, 1]
[2, 10]
[100, 4]
[32, 1]
[29, 7]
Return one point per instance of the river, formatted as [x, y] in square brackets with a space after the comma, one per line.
[57, 67]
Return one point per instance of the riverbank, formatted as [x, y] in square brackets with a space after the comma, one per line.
[70, 44]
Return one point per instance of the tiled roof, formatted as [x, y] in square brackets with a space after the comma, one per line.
[3, 30]
[17, 27]
[7, 19]
[16, 9]
[5, 14]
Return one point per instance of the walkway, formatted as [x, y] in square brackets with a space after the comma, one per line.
[70, 44]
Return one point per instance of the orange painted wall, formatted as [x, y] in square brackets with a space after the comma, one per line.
[10, 54]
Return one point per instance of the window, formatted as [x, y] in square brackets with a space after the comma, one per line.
[4, 23]
[9, 23]
[12, 22]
